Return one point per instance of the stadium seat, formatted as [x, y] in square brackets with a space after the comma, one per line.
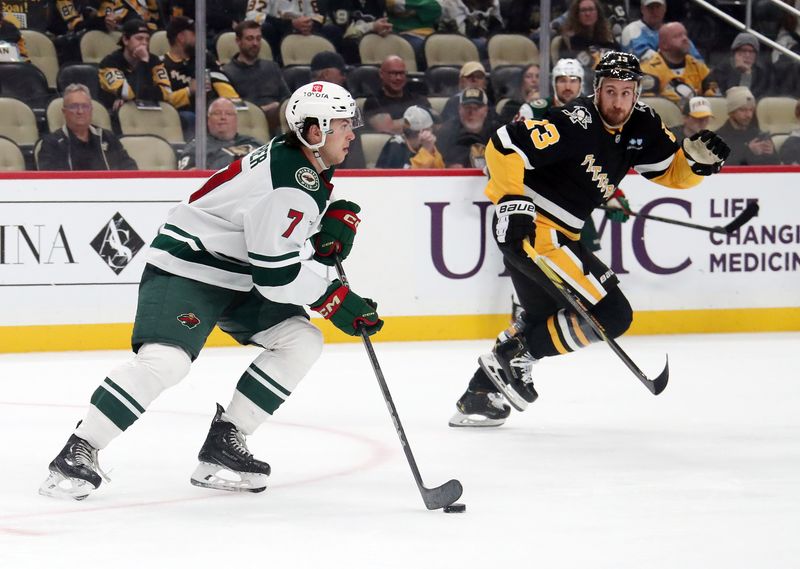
[42, 53]
[227, 48]
[297, 49]
[505, 80]
[778, 140]
[159, 45]
[556, 45]
[498, 108]
[442, 80]
[666, 109]
[374, 48]
[511, 49]
[372, 143]
[150, 152]
[282, 115]
[165, 123]
[11, 157]
[253, 122]
[95, 45]
[27, 83]
[296, 76]
[18, 122]
[719, 108]
[776, 114]
[449, 49]
[55, 118]
[83, 73]
[438, 103]
[364, 81]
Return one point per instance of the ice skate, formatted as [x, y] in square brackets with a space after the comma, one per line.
[508, 365]
[480, 408]
[225, 461]
[75, 472]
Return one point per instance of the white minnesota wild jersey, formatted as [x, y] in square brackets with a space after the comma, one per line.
[247, 225]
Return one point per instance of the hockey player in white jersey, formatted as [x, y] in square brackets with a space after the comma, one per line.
[230, 255]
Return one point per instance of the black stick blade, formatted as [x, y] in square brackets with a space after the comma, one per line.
[749, 213]
[441, 496]
[659, 384]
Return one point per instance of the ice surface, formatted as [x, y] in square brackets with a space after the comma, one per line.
[597, 473]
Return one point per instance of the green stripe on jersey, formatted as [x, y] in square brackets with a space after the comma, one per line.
[280, 276]
[255, 391]
[183, 250]
[273, 259]
[116, 411]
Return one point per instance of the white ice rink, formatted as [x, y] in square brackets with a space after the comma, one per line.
[598, 473]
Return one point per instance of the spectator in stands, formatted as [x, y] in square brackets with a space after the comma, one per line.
[12, 44]
[224, 144]
[416, 147]
[179, 63]
[329, 66]
[697, 114]
[672, 72]
[790, 151]
[474, 19]
[356, 18]
[742, 68]
[586, 34]
[749, 144]
[786, 71]
[641, 37]
[384, 112]
[133, 73]
[472, 75]
[414, 20]
[146, 10]
[80, 145]
[257, 80]
[221, 15]
[280, 18]
[462, 140]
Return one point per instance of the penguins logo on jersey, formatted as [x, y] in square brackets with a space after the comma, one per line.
[307, 178]
[579, 115]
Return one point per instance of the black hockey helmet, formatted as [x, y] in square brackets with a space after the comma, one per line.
[617, 65]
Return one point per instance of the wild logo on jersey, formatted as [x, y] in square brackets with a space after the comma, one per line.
[189, 319]
[307, 178]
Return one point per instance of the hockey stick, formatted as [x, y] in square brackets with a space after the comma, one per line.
[656, 385]
[747, 214]
[434, 498]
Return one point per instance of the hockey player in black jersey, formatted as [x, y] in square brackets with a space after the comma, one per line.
[546, 177]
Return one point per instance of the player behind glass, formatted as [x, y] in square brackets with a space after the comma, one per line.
[230, 255]
[545, 178]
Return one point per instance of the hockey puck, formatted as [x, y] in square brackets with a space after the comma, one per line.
[455, 509]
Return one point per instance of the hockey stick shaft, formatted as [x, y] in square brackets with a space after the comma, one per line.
[434, 498]
[655, 386]
[747, 214]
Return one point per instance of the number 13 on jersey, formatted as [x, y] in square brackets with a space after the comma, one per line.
[543, 133]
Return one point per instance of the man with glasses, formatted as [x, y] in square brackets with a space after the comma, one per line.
[224, 143]
[384, 111]
[80, 145]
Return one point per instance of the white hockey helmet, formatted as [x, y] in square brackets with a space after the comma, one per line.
[567, 67]
[323, 101]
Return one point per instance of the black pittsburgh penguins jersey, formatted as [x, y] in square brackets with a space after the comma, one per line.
[570, 162]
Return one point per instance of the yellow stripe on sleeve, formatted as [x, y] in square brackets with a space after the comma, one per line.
[506, 172]
[679, 175]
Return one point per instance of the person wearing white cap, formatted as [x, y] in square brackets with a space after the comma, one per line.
[472, 75]
[641, 37]
[697, 114]
[416, 147]
[742, 68]
[749, 144]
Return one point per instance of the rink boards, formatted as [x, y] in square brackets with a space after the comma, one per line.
[72, 250]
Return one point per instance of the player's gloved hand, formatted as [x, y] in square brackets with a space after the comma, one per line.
[346, 310]
[622, 211]
[514, 222]
[337, 232]
[706, 152]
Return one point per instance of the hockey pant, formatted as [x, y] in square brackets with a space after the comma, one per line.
[290, 349]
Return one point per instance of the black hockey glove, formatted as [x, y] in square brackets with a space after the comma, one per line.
[514, 221]
[706, 152]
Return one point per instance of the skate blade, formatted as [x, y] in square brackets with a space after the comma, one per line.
[473, 421]
[492, 369]
[217, 477]
[62, 487]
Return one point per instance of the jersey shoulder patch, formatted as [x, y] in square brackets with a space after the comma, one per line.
[290, 169]
[578, 115]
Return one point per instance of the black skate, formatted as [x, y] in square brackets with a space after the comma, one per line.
[224, 452]
[75, 472]
[508, 365]
[480, 408]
